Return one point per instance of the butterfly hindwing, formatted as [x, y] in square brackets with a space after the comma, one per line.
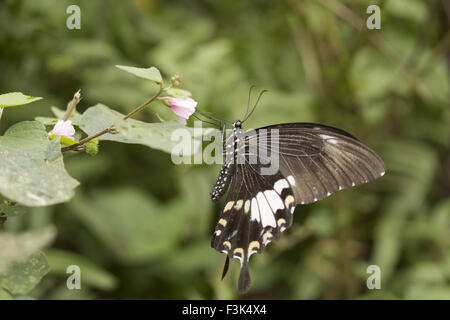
[257, 209]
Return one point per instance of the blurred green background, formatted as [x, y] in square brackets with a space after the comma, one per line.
[140, 226]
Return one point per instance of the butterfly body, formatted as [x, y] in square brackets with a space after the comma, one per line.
[226, 172]
[312, 162]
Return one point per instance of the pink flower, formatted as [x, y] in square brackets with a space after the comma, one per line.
[183, 107]
[64, 128]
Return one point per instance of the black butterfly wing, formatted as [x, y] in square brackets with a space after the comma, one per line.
[314, 162]
[254, 214]
[319, 160]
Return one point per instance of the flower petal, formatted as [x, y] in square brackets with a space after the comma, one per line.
[64, 128]
[183, 107]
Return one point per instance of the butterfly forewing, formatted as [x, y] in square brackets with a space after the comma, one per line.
[321, 159]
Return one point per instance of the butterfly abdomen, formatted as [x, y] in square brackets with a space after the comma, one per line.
[227, 170]
[222, 182]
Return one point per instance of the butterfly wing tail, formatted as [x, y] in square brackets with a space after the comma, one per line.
[244, 278]
[225, 267]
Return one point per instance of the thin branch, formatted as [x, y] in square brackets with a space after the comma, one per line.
[142, 106]
[80, 145]
[75, 100]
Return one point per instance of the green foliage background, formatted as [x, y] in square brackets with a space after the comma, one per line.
[140, 226]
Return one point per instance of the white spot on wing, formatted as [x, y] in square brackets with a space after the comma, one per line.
[281, 221]
[247, 206]
[252, 248]
[291, 180]
[238, 257]
[266, 238]
[255, 211]
[329, 139]
[280, 185]
[267, 217]
[238, 204]
[289, 200]
[274, 200]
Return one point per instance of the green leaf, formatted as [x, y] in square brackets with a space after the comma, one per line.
[47, 121]
[12, 210]
[153, 135]
[23, 276]
[178, 93]
[13, 99]
[131, 223]
[151, 73]
[64, 140]
[92, 274]
[17, 247]
[32, 171]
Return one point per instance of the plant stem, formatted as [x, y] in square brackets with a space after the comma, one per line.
[79, 145]
[142, 106]
[75, 100]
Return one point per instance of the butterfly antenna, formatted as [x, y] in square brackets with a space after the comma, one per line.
[207, 115]
[248, 100]
[212, 123]
[254, 107]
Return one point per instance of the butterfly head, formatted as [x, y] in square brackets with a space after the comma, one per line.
[237, 124]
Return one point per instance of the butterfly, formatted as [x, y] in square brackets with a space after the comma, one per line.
[313, 162]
